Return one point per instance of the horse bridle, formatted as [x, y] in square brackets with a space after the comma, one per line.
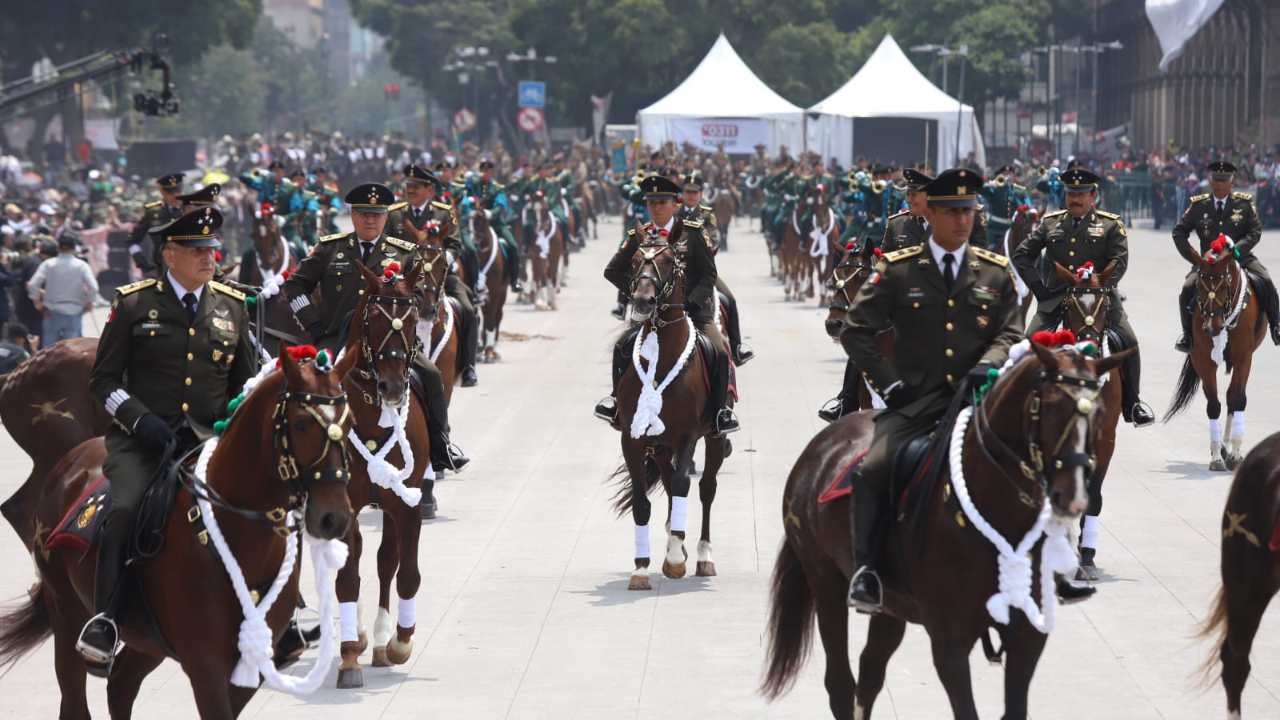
[1094, 324]
[1224, 281]
[401, 323]
[1084, 392]
[841, 287]
[428, 279]
[649, 252]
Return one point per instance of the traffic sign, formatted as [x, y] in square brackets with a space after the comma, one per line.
[530, 119]
[532, 94]
[464, 120]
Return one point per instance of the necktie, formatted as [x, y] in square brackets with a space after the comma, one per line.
[189, 302]
[417, 216]
[1075, 223]
[920, 222]
[949, 270]
[366, 248]
[1222, 205]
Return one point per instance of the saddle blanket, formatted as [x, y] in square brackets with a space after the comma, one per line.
[843, 484]
[82, 522]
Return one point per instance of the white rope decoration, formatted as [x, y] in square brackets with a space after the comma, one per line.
[718, 298]
[1017, 279]
[481, 289]
[544, 241]
[381, 472]
[1220, 340]
[425, 328]
[819, 247]
[269, 274]
[648, 417]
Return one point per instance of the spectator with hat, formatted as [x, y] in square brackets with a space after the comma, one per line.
[63, 288]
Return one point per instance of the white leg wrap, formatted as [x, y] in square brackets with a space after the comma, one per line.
[642, 542]
[383, 630]
[1215, 450]
[1089, 538]
[704, 551]
[348, 619]
[408, 612]
[1237, 424]
[490, 338]
[675, 550]
[679, 513]
[1215, 430]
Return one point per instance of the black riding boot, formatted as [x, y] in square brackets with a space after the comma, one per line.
[1273, 312]
[468, 340]
[100, 637]
[725, 421]
[1183, 344]
[741, 353]
[866, 507]
[607, 409]
[1131, 405]
[513, 268]
[847, 401]
[444, 456]
[620, 307]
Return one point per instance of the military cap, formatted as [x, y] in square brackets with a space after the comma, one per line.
[297, 172]
[419, 174]
[1006, 170]
[172, 181]
[1074, 163]
[196, 229]
[319, 169]
[1221, 170]
[916, 179]
[692, 181]
[370, 198]
[486, 164]
[659, 186]
[207, 195]
[1078, 179]
[276, 165]
[957, 187]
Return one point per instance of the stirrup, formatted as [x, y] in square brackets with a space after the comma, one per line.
[726, 422]
[867, 605]
[1133, 413]
[93, 653]
[832, 410]
[601, 409]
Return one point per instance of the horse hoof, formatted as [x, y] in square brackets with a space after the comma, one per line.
[1217, 465]
[398, 653]
[352, 678]
[675, 571]
[639, 581]
[706, 569]
[1087, 572]
[380, 657]
[1233, 461]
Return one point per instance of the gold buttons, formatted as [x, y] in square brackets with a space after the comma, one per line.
[153, 333]
[188, 381]
[950, 352]
[1073, 239]
[949, 378]
[951, 303]
[1071, 267]
[984, 307]
[186, 407]
[191, 332]
[950, 327]
[915, 305]
[190, 357]
[1072, 253]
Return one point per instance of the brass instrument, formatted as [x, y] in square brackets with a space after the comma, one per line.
[878, 187]
[1001, 180]
[1043, 171]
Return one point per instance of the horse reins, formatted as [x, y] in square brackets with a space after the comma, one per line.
[400, 324]
[842, 285]
[1225, 282]
[650, 250]
[1094, 323]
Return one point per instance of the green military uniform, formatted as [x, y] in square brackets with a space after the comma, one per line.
[703, 215]
[905, 230]
[142, 248]
[1003, 201]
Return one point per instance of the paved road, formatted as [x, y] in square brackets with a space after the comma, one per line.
[524, 611]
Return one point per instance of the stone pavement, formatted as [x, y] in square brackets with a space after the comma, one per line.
[524, 611]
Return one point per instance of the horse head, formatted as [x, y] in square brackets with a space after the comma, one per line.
[435, 267]
[388, 317]
[266, 236]
[1047, 411]
[818, 195]
[1087, 301]
[656, 273]
[311, 424]
[1219, 286]
[478, 221]
[849, 276]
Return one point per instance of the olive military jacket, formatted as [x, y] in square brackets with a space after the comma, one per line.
[904, 231]
[703, 214]
[154, 214]
[1099, 238]
[333, 267]
[152, 359]
[694, 253]
[401, 212]
[1239, 221]
[940, 335]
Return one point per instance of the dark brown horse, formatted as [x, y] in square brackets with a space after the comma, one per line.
[387, 325]
[1225, 327]
[262, 485]
[847, 277]
[545, 253]
[437, 318]
[658, 442]
[938, 571]
[1250, 566]
[492, 285]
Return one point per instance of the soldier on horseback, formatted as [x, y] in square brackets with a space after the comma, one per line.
[692, 210]
[700, 279]
[159, 212]
[270, 188]
[172, 353]
[492, 197]
[1003, 197]
[1072, 237]
[1222, 212]
[419, 209]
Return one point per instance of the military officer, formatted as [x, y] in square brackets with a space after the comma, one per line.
[1222, 212]
[492, 197]
[819, 178]
[910, 227]
[699, 284]
[331, 266]
[692, 210]
[418, 209]
[944, 343]
[1003, 197]
[173, 352]
[1072, 237]
[269, 187]
[206, 196]
[168, 208]
[327, 194]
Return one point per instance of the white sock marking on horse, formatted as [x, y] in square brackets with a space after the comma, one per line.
[675, 550]
[1237, 431]
[1233, 715]
[1089, 537]
[348, 619]
[490, 339]
[407, 612]
[704, 551]
[1215, 430]
[383, 630]
[642, 542]
[1080, 500]
[679, 514]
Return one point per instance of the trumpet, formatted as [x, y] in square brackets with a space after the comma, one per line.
[1043, 171]
[878, 187]
[1001, 180]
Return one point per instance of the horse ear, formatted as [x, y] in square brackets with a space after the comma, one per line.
[1111, 362]
[415, 273]
[292, 372]
[351, 356]
[1067, 276]
[868, 252]
[370, 278]
[677, 232]
[639, 229]
[1047, 357]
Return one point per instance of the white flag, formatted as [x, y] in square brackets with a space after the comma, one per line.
[1176, 22]
[599, 115]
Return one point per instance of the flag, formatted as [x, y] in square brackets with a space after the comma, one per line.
[1176, 22]
[599, 115]
[618, 159]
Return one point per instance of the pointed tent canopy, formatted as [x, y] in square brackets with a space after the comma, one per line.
[890, 86]
[723, 101]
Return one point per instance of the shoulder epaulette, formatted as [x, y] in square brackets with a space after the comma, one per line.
[441, 206]
[897, 255]
[706, 207]
[226, 290]
[904, 212]
[631, 232]
[1242, 196]
[1109, 216]
[402, 244]
[1020, 187]
[337, 236]
[990, 257]
[154, 205]
[397, 207]
[135, 287]
[693, 223]
[1198, 198]
[1055, 213]
[499, 185]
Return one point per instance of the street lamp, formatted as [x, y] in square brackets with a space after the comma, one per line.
[531, 56]
[1097, 49]
[944, 52]
[471, 61]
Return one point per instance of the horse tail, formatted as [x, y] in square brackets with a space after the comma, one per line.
[1188, 383]
[1214, 628]
[623, 497]
[790, 629]
[22, 630]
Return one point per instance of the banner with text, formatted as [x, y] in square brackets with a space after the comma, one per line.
[737, 135]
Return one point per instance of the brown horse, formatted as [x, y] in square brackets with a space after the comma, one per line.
[1250, 566]
[821, 243]
[380, 474]
[1225, 326]
[723, 206]
[937, 571]
[1023, 224]
[439, 319]
[660, 444]
[588, 194]
[492, 285]
[46, 406]
[1084, 313]
[790, 254]
[847, 277]
[308, 464]
[545, 253]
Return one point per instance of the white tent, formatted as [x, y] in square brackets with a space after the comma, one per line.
[722, 101]
[889, 86]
